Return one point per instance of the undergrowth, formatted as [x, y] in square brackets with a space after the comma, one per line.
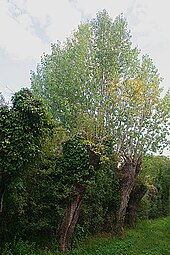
[148, 238]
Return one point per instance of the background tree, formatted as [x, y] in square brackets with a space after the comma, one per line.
[35, 197]
[156, 172]
[98, 73]
[22, 128]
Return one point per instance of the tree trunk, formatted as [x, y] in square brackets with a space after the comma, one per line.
[136, 196]
[127, 173]
[70, 220]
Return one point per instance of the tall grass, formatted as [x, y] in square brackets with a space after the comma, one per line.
[148, 238]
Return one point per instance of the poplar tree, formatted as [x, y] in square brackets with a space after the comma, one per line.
[97, 82]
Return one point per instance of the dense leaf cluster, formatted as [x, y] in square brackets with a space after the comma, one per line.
[80, 159]
[22, 127]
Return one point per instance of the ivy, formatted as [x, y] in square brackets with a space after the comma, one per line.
[80, 159]
[21, 129]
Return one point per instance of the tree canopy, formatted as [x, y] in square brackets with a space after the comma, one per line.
[98, 75]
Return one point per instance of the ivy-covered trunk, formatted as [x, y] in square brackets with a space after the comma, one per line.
[128, 173]
[137, 194]
[80, 162]
[70, 220]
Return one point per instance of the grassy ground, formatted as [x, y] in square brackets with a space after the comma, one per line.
[148, 238]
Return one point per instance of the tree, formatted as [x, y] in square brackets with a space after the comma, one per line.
[157, 169]
[80, 162]
[76, 77]
[22, 128]
[98, 73]
[35, 197]
[141, 125]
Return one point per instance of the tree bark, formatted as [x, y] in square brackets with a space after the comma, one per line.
[127, 173]
[70, 220]
[137, 193]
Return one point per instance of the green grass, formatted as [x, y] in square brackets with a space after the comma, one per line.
[148, 238]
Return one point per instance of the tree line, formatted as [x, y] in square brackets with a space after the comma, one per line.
[75, 148]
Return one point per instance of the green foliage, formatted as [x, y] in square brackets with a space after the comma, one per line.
[19, 248]
[98, 75]
[22, 128]
[156, 175]
[35, 201]
[75, 78]
[76, 158]
[151, 237]
[78, 163]
[101, 201]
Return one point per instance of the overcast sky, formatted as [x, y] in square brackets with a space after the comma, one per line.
[28, 27]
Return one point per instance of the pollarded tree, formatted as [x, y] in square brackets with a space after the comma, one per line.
[139, 124]
[80, 161]
[97, 74]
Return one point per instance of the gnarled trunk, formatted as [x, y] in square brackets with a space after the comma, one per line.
[137, 193]
[70, 220]
[128, 173]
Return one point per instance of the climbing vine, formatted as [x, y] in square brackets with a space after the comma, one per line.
[80, 159]
[21, 129]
